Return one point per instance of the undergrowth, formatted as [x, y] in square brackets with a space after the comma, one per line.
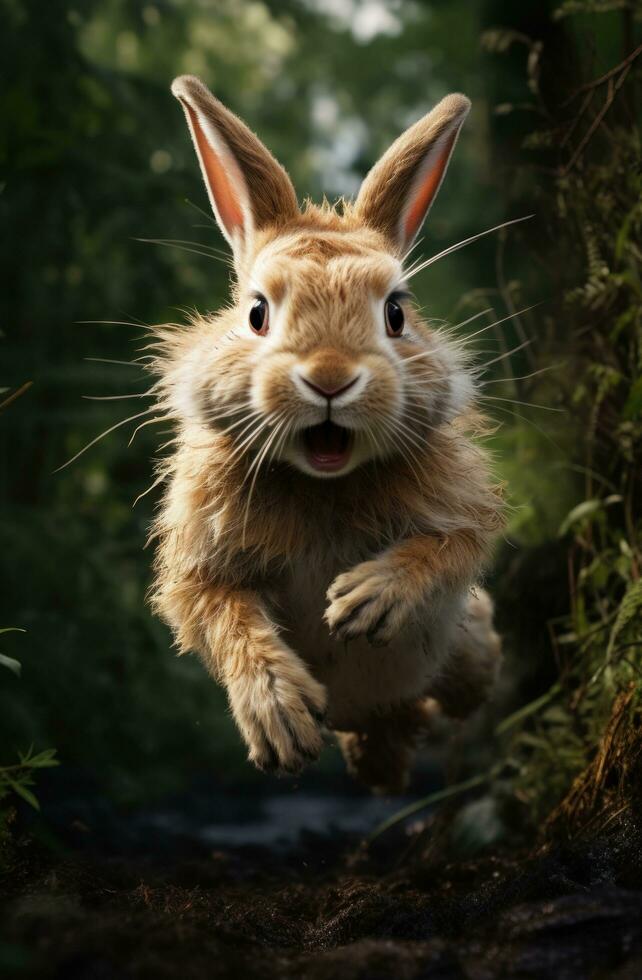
[18, 778]
[571, 759]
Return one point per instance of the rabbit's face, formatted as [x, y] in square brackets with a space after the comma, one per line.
[328, 332]
[322, 362]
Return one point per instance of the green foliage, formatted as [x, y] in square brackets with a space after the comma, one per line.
[593, 208]
[570, 7]
[9, 662]
[16, 780]
[19, 778]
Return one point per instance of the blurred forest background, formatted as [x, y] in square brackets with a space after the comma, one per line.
[106, 228]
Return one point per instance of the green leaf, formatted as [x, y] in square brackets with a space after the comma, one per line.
[500, 39]
[633, 406]
[442, 794]
[630, 607]
[528, 709]
[586, 509]
[534, 741]
[25, 757]
[556, 715]
[12, 629]
[22, 791]
[624, 320]
[13, 665]
[44, 760]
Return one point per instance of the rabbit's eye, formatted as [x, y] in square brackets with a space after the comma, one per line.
[394, 318]
[259, 316]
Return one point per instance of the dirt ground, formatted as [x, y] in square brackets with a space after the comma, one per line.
[316, 913]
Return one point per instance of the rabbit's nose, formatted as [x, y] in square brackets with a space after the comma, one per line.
[325, 390]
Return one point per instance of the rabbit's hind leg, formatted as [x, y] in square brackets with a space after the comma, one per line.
[381, 753]
[468, 676]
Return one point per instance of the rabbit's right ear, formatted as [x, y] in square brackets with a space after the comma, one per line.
[247, 188]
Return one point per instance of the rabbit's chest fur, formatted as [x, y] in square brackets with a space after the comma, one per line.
[361, 680]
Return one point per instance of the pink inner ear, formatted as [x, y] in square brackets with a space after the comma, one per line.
[426, 190]
[221, 189]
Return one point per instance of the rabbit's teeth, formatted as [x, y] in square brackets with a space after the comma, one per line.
[327, 446]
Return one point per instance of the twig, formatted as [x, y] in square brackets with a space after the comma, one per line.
[16, 394]
[628, 61]
[585, 104]
[613, 90]
[504, 292]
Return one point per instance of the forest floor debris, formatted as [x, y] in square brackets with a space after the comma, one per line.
[571, 912]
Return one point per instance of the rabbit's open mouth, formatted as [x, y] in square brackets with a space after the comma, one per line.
[327, 446]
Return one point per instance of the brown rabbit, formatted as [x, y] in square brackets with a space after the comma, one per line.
[326, 513]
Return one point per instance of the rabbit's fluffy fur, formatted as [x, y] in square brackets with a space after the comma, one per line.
[343, 598]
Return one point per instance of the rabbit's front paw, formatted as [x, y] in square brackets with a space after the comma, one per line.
[279, 713]
[370, 599]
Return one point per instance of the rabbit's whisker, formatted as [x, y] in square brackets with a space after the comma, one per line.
[503, 319]
[168, 243]
[159, 418]
[416, 357]
[234, 425]
[524, 418]
[110, 360]
[522, 377]
[419, 419]
[422, 423]
[276, 429]
[464, 340]
[132, 418]
[404, 443]
[514, 401]
[211, 220]
[411, 436]
[218, 415]
[466, 241]
[256, 424]
[371, 436]
[470, 319]
[116, 323]
[247, 442]
[184, 241]
[502, 357]
[256, 465]
[228, 408]
[279, 446]
[414, 405]
[238, 446]
[401, 444]
[114, 398]
[407, 254]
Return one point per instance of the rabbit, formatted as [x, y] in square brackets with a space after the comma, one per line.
[327, 512]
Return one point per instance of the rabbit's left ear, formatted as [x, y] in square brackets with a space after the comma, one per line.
[247, 188]
[397, 194]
